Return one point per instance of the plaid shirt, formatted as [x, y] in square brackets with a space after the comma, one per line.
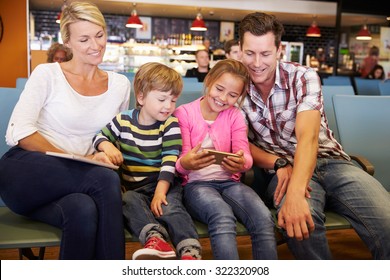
[272, 124]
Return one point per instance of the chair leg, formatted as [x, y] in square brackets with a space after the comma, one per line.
[42, 253]
[29, 254]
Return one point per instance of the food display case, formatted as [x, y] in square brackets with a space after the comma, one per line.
[292, 51]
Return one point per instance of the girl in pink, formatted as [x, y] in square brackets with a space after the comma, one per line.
[213, 193]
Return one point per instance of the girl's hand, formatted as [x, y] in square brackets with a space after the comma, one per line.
[195, 160]
[234, 164]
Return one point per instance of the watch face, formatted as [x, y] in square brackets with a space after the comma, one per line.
[281, 162]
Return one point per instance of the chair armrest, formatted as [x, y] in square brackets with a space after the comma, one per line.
[364, 163]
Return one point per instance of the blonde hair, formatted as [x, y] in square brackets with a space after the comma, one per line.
[156, 76]
[230, 66]
[80, 11]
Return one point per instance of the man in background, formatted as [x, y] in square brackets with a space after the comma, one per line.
[232, 49]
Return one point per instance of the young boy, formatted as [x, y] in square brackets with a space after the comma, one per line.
[146, 143]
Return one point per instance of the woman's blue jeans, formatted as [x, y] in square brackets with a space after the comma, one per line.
[344, 188]
[83, 200]
[218, 203]
[175, 223]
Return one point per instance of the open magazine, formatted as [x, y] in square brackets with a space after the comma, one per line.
[82, 159]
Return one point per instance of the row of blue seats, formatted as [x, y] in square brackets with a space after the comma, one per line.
[361, 123]
[362, 86]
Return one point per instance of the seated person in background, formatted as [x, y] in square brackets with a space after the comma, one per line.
[58, 53]
[377, 73]
[232, 49]
[149, 144]
[369, 61]
[203, 61]
[213, 193]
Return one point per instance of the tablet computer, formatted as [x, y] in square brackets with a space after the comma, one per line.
[82, 159]
[219, 156]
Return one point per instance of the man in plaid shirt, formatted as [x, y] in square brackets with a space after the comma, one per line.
[290, 138]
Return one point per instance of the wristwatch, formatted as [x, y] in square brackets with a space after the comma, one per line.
[280, 163]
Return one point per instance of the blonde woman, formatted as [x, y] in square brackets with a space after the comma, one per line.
[60, 110]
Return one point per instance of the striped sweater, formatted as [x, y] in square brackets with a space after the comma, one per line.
[149, 152]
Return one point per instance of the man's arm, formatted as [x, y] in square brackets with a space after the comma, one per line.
[294, 215]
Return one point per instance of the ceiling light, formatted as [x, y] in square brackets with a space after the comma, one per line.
[58, 20]
[198, 24]
[364, 33]
[134, 21]
[313, 30]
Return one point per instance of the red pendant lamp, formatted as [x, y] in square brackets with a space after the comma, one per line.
[313, 30]
[134, 21]
[58, 20]
[198, 24]
[364, 34]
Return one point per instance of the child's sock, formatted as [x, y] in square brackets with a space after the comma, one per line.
[190, 252]
[154, 233]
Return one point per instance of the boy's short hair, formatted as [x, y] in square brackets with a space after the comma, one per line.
[156, 76]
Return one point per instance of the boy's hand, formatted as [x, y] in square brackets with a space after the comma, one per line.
[113, 154]
[195, 160]
[155, 206]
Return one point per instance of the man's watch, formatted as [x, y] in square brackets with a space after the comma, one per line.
[280, 163]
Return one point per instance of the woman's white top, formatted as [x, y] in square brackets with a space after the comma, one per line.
[67, 119]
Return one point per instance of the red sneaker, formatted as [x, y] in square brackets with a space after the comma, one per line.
[188, 257]
[155, 249]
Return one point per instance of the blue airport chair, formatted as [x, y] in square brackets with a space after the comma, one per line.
[192, 84]
[8, 99]
[337, 81]
[384, 87]
[328, 91]
[21, 82]
[367, 86]
[364, 128]
[188, 96]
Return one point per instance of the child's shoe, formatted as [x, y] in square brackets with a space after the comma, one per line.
[190, 253]
[188, 257]
[155, 249]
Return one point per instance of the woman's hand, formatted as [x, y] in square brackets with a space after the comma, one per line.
[195, 160]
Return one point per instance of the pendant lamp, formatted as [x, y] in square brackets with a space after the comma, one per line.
[198, 24]
[134, 21]
[313, 30]
[58, 20]
[364, 33]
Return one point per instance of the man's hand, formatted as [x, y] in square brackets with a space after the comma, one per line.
[295, 217]
[284, 175]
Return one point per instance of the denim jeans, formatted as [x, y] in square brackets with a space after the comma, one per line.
[344, 188]
[83, 200]
[218, 203]
[175, 223]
